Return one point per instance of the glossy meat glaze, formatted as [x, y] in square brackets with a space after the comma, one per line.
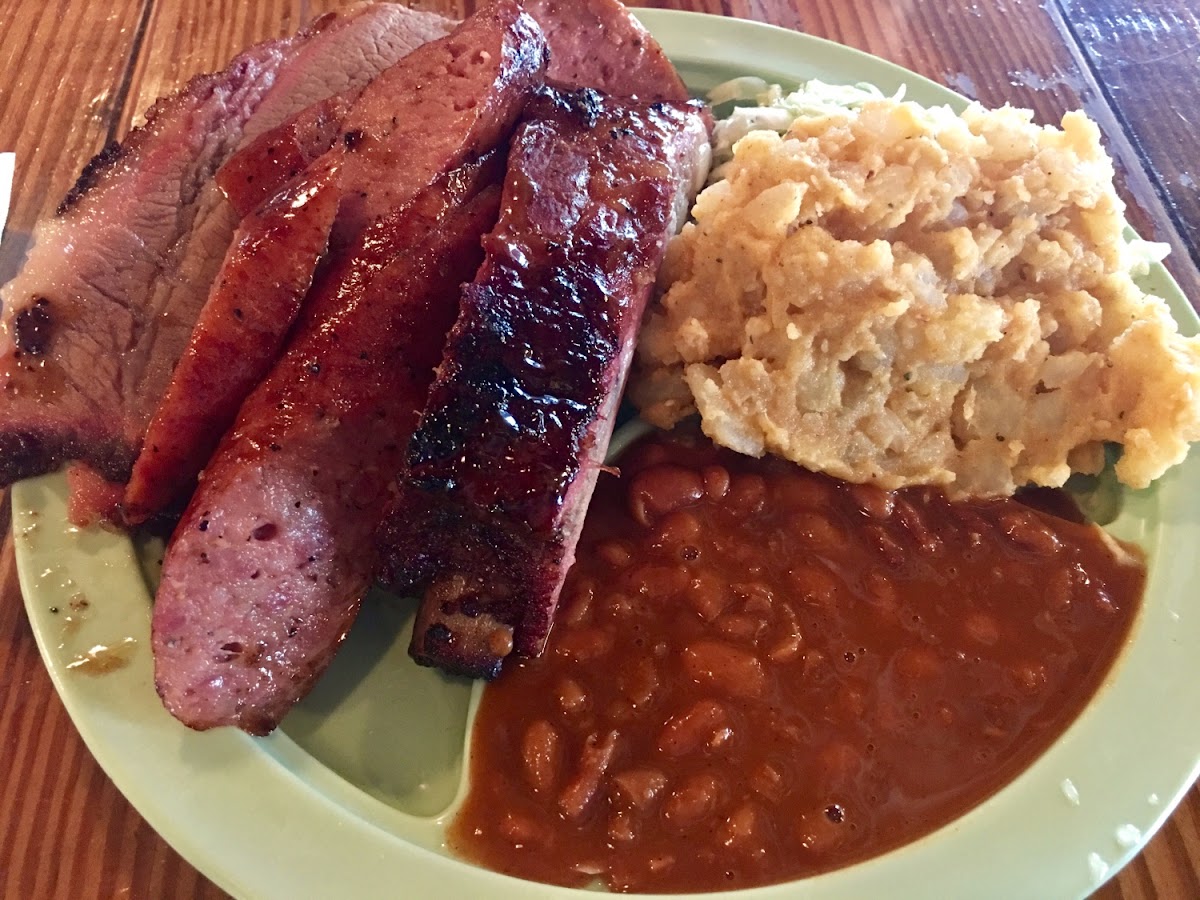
[238, 336]
[265, 571]
[518, 420]
[264, 574]
[466, 90]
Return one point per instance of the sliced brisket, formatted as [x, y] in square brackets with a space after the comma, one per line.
[434, 109]
[330, 82]
[100, 313]
[357, 45]
[517, 424]
[80, 304]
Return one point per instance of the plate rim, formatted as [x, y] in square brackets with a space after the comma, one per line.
[336, 844]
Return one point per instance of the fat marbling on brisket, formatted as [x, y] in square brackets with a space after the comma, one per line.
[517, 424]
[97, 318]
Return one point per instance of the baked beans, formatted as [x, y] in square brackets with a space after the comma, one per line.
[758, 674]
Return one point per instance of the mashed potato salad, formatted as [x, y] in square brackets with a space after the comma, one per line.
[904, 295]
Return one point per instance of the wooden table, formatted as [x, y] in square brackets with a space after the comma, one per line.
[76, 74]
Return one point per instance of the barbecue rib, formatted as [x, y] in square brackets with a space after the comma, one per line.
[503, 464]
[98, 316]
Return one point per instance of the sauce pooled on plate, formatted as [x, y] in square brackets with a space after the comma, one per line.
[758, 673]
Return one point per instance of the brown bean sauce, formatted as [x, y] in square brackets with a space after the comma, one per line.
[758, 673]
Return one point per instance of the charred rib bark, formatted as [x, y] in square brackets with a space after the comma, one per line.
[503, 465]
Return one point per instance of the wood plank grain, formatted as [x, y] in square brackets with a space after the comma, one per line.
[65, 830]
[73, 76]
[63, 64]
[1147, 57]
